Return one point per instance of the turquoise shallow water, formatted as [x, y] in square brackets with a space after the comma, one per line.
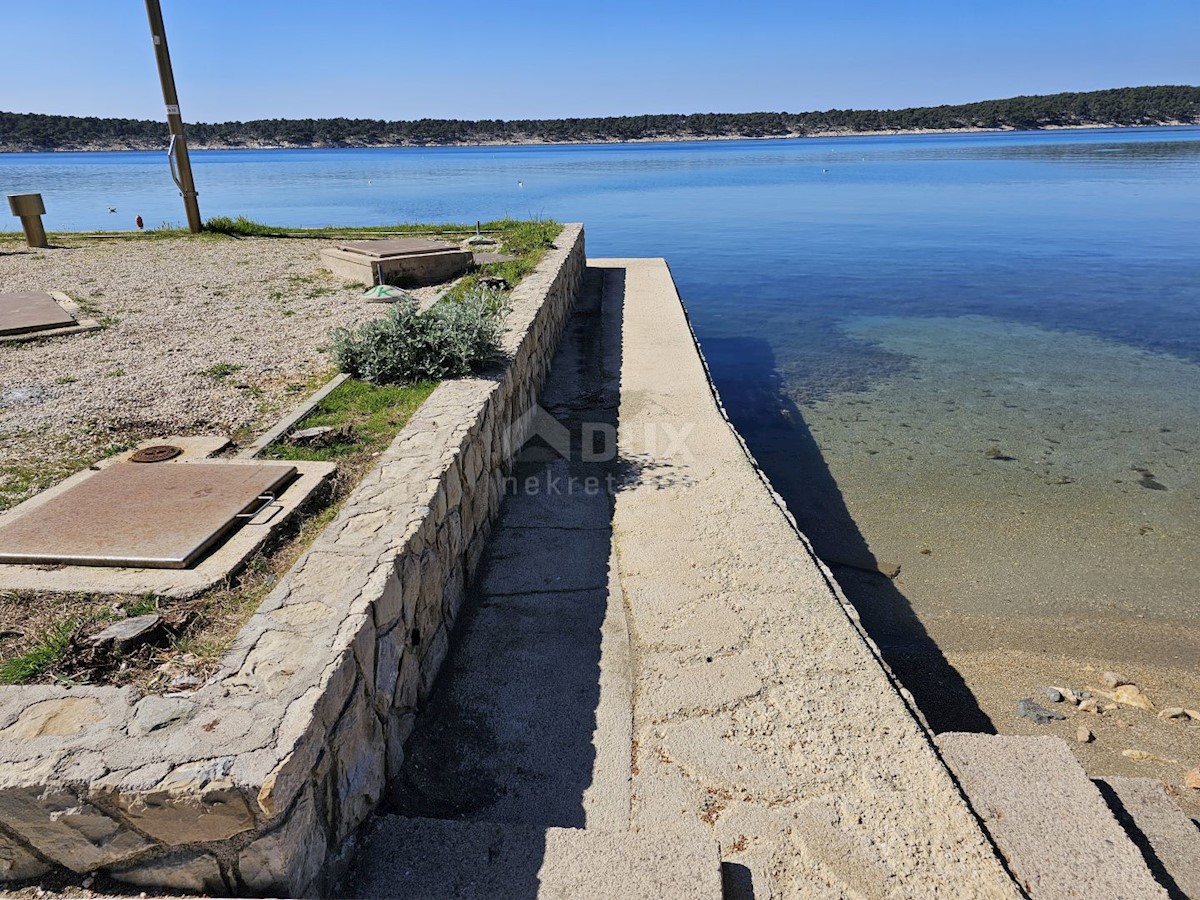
[982, 346]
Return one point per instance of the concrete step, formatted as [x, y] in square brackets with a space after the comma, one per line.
[1169, 839]
[1049, 820]
[437, 859]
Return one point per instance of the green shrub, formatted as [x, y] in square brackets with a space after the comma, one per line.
[448, 340]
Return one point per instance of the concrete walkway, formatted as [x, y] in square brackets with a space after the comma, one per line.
[658, 670]
[762, 716]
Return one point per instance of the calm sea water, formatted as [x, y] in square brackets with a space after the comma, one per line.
[971, 345]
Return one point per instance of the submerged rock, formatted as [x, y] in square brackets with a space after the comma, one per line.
[1028, 709]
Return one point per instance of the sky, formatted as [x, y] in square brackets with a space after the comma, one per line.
[249, 59]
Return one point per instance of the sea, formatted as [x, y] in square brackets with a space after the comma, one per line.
[975, 357]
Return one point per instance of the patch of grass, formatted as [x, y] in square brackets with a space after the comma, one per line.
[66, 379]
[370, 414]
[527, 240]
[239, 227]
[46, 651]
[114, 373]
[221, 370]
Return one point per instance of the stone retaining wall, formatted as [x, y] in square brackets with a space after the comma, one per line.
[258, 781]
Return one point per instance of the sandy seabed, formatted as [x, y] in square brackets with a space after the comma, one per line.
[1041, 493]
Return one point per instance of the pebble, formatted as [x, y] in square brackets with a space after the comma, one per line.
[1131, 695]
[1143, 756]
[1083, 734]
[1113, 680]
[1192, 779]
[1028, 709]
[1054, 695]
[1089, 705]
[1172, 712]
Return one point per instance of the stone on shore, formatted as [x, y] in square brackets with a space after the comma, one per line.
[1028, 709]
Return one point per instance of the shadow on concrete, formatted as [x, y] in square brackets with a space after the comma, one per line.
[779, 437]
[1140, 840]
[507, 734]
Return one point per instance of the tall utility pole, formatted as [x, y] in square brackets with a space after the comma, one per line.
[174, 121]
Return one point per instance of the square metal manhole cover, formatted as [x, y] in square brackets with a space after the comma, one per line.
[27, 311]
[398, 247]
[146, 515]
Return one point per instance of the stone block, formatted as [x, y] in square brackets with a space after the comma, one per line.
[272, 663]
[454, 534]
[357, 753]
[17, 863]
[62, 827]
[408, 682]
[364, 649]
[153, 713]
[188, 871]
[397, 728]
[431, 662]
[59, 717]
[452, 598]
[287, 861]
[388, 652]
[195, 803]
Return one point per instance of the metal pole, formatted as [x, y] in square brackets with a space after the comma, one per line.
[174, 121]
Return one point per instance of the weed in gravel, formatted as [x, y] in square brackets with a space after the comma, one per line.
[221, 370]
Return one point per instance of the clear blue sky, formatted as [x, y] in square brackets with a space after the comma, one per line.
[533, 59]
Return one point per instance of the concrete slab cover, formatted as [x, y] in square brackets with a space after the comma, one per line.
[26, 311]
[156, 516]
[1047, 817]
[398, 247]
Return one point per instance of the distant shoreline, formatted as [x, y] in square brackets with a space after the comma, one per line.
[113, 147]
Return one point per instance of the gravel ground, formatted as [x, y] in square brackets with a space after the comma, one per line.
[213, 335]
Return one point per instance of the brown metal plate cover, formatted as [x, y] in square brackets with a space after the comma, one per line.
[27, 311]
[158, 517]
[156, 453]
[398, 247]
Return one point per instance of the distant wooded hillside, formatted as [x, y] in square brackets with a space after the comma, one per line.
[1120, 106]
